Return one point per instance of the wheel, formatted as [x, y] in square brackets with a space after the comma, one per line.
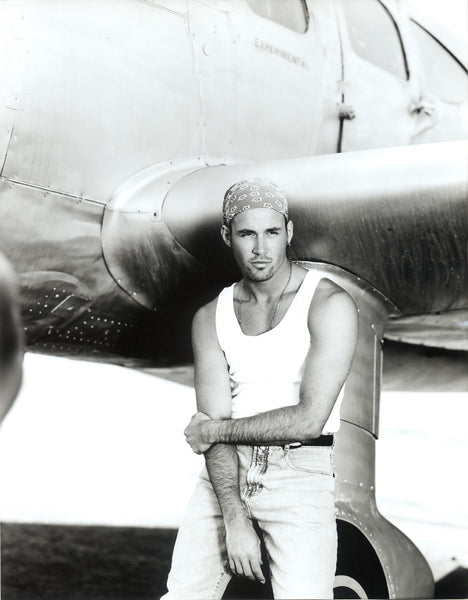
[359, 573]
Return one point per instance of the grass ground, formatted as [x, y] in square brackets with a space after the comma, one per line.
[51, 562]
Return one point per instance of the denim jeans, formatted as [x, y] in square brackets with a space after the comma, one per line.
[290, 493]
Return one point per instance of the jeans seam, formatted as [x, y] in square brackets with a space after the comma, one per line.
[218, 583]
[247, 503]
[330, 473]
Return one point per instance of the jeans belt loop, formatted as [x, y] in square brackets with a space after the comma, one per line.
[292, 445]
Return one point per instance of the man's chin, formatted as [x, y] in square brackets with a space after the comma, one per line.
[259, 275]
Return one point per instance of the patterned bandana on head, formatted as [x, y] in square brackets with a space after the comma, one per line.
[253, 193]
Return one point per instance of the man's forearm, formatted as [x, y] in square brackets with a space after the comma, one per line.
[279, 426]
[223, 469]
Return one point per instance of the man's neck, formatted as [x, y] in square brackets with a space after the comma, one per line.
[265, 291]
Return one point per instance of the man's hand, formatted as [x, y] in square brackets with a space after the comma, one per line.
[193, 433]
[243, 548]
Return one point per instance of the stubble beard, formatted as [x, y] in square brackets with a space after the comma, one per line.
[256, 275]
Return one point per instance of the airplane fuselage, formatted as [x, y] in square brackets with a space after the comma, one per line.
[99, 96]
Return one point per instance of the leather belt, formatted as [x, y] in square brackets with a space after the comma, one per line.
[323, 440]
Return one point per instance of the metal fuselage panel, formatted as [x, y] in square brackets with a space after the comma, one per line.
[107, 89]
[407, 238]
[95, 93]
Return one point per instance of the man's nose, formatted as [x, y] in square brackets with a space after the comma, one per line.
[259, 246]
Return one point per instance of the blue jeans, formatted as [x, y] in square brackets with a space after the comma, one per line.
[290, 492]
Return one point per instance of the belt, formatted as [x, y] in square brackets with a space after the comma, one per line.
[323, 440]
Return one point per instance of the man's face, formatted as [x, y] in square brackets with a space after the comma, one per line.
[258, 238]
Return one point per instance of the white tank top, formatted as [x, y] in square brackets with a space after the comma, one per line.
[266, 369]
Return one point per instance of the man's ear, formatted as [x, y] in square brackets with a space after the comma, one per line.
[226, 235]
[290, 231]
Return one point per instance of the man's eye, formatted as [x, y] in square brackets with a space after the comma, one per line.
[245, 233]
[273, 232]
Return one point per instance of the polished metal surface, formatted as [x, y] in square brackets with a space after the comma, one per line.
[407, 237]
[70, 303]
[11, 338]
[444, 329]
[161, 247]
[96, 91]
[406, 571]
[103, 97]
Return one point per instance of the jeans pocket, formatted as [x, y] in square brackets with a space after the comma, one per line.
[310, 459]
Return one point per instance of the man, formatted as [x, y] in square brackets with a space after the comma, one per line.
[272, 353]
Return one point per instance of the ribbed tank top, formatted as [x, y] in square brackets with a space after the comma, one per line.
[266, 369]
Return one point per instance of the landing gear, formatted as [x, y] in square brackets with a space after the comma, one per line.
[359, 573]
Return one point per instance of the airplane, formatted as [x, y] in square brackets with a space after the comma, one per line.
[123, 123]
[11, 339]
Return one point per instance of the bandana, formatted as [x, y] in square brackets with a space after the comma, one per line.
[253, 193]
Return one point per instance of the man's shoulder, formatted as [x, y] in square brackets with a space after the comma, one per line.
[331, 296]
[206, 314]
[327, 288]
